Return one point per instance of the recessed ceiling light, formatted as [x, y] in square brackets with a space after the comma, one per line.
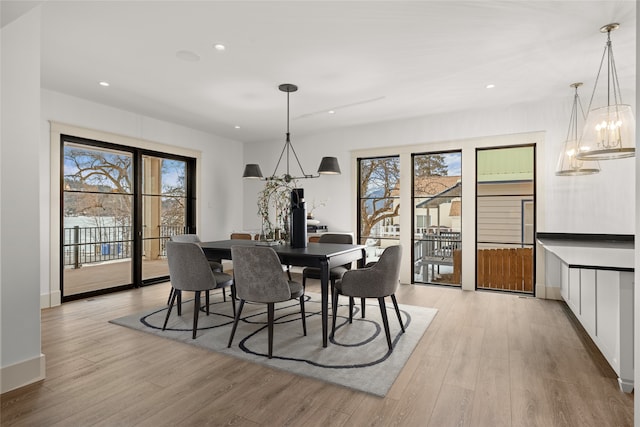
[237, 126]
[187, 55]
[219, 46]
[490, 86]
[331, 112]
[105, 84]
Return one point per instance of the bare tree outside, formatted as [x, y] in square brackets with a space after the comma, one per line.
[173, 193]
[379, 177]
[380, 185]
[95, 182]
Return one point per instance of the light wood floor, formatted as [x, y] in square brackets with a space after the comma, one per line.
[488, 359]
[94, 277]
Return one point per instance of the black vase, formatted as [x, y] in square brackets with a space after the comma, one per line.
[298, 219]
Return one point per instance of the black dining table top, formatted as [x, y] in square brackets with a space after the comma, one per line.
[310, 256]
[312, 249]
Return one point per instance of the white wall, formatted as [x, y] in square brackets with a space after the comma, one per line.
[636, 295]
[602, 203]
[20, 359]
[26, 147]
[218, 169]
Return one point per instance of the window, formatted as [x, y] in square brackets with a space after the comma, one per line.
[437, 218]
[378, 204]
[505, 218]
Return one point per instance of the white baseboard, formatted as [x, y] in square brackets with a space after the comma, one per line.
[50, 300]
[554, 293]
[22, 373]
[547, 292]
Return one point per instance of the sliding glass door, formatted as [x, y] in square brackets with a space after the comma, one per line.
[164, 210]
[97, 212]
[119, 205]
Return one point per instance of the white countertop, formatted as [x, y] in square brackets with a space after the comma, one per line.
[606, 254]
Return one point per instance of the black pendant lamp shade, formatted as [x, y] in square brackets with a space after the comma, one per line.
[252, 171]
[329, 166]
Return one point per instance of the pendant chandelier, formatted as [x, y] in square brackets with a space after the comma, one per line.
[568, 163]
[328, 165]
[609, 131]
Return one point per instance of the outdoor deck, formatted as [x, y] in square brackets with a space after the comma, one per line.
[93, 277]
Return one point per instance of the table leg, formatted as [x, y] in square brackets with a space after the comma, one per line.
[324, 286]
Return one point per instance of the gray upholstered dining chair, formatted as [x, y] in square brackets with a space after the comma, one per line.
[189, 270]
[258, 277]
[378, 281]
[216, 265]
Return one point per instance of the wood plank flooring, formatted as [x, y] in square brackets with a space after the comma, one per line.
[487, 359]
[95, 277]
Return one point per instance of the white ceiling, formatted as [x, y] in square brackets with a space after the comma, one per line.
[369, 61]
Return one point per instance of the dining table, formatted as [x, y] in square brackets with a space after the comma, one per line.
[324, 256]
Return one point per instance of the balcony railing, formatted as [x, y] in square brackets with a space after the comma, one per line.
[87, 245]
[437, 248]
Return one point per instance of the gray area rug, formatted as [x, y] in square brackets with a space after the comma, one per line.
[358, 357]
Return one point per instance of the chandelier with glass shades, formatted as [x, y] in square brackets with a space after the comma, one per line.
[568, 163]
[328, 165]
[609, 131]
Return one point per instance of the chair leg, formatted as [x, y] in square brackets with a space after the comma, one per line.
[174, 294]
[224, 295]
[233, 299]
[179, 301]
[270, 316]
[235, 322]
[351, 304]
[385, 321]
[206, 301]
[289, 272]
[334, 305]
[170, 295]
[196, 311]
[362, 306]
[395, 305]
[303, 315]
[333, 289]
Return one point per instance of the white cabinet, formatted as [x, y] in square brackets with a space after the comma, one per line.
[602, 300]
[588, 306]
[596, 282]
[574, 290]
[564, 281]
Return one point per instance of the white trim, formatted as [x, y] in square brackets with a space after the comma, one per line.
[468, 149]
[548, 292]
[45, 301]
[56, 130]
[22, 373]
[50, 300]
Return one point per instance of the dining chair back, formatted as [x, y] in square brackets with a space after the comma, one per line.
[336, 272]
[214, 264]
[241, 236]
[189, 270]
[378, 281]
[185, 238]
[259, 278]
